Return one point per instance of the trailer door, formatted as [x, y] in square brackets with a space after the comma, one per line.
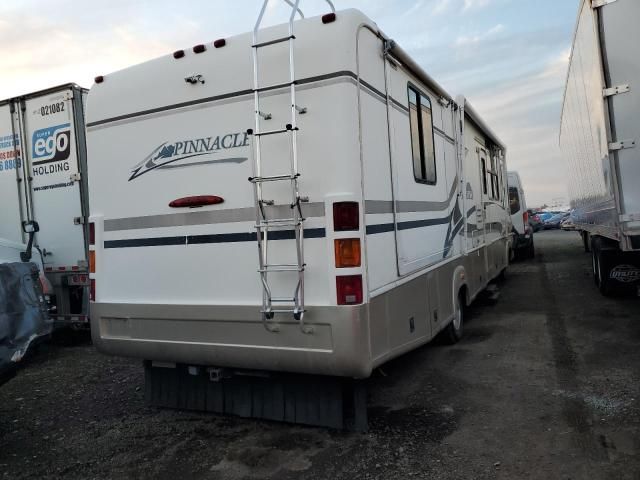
[12, 208]
[50, 126]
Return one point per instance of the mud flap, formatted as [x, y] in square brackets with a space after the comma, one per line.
[299, 399]
[621, 271]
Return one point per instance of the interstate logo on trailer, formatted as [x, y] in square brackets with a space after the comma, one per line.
[185, 153]
[50, 150]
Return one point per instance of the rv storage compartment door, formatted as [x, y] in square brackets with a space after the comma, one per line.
[53, 155]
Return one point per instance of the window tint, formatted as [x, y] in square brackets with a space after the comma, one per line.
[514, 200]
[422, 145]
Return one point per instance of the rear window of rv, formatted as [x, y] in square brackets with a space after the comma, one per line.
[422, 145]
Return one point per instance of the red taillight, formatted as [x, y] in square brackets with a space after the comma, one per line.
[92, 233]
[349, 290]
[221, 42]
[525, 217]
[196, 201]
[92, 290]
[346, 216]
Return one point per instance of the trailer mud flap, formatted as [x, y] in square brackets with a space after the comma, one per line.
[292, 398]
[622, 271]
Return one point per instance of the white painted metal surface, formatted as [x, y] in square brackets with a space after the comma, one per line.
[181, 285]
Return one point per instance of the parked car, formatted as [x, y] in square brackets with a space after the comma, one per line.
[568, 224]
[544, 216]
[554, 222]
[534, 220]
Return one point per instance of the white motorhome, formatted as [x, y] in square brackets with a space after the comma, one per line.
[379, 203]
[522, 232]
[43, 193]
[599, 139]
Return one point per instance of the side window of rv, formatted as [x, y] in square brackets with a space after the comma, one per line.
[422, 144]
[484, 175]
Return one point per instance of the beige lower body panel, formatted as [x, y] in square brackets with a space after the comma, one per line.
[346, 341]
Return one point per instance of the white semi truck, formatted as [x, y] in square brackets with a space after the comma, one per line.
[599, 138]
[43, 193]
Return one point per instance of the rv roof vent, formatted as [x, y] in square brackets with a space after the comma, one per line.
[99, 79]
[329, 18]
[199, 49]
[221, 42]
[178, 54]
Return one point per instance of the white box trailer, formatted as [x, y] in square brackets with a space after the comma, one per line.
[44, 195]
[599, 139]
[379, 201]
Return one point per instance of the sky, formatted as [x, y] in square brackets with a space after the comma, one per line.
[508, 57]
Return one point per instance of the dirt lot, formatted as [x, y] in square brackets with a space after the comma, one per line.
[546, 384]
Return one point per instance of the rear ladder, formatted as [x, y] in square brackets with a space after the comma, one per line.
[293, 304]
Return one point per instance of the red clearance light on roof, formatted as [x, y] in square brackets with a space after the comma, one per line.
[196, 201]
[178, 54]
[349, 290]
[199, 48]
[221, 42]
[99, 79]
[329, 18]
[346, 217]
[92, 233]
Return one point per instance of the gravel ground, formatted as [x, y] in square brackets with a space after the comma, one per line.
[544, 385]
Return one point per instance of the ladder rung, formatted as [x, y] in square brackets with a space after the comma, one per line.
[275, 132]
[281, 268]
[273, 42]
[273, 178]
[274, 87]
[283, 300]
[281, 310]
[280, 222]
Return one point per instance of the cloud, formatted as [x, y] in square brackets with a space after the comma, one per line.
[464, 40]
[473, 4]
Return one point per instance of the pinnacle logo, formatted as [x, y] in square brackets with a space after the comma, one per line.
[187, 153]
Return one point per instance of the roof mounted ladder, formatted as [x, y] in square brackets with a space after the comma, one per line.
[293, 304]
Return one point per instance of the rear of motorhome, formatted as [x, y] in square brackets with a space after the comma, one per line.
[44, 193]
[599, 140]
[319, 213]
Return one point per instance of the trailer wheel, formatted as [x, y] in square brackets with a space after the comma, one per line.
[601, 272]
[453, 333]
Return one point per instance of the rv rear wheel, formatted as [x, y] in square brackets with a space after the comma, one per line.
[453, 333]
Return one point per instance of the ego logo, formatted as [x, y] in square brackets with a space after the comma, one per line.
[51, 144]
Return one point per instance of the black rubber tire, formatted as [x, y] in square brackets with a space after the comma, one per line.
[452, 334]
[603, 281]
[586, 242]
[530, 251]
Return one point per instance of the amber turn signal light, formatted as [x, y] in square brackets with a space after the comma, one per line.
[348, 253]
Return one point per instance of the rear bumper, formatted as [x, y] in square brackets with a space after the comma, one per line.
[522, 240]
[234, 337]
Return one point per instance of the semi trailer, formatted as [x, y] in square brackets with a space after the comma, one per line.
[599, 140]
[302, 199]
[43, 191]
